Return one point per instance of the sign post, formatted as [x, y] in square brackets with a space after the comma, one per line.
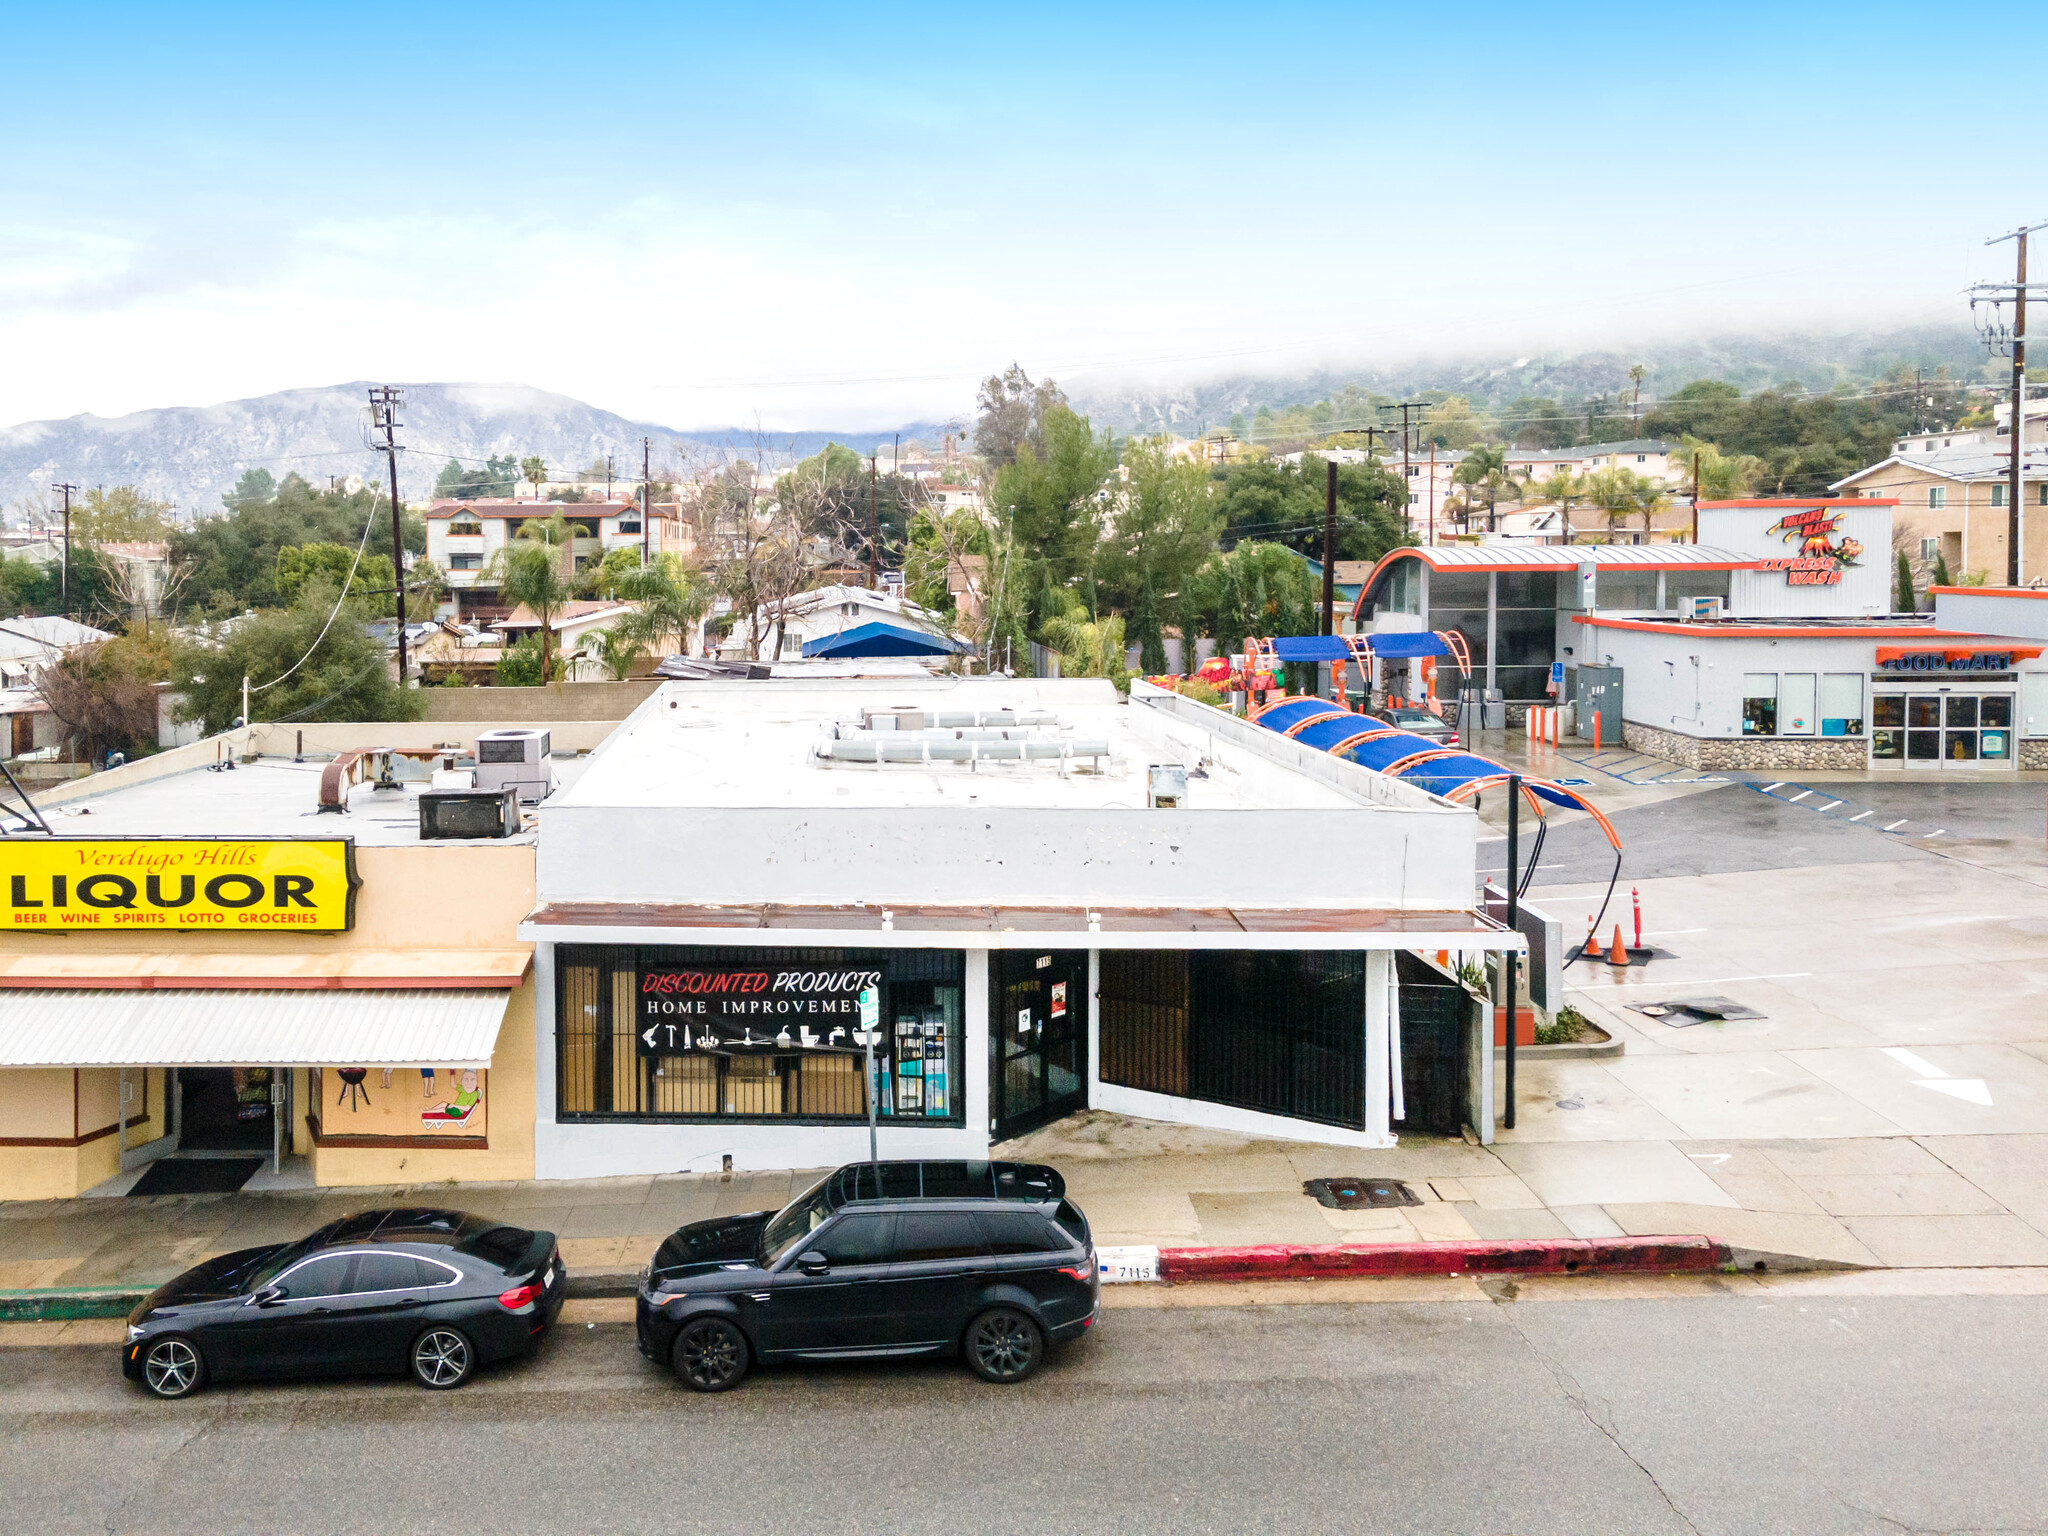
[870, 1028]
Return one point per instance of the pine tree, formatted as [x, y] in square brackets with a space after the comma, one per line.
[1902, 600]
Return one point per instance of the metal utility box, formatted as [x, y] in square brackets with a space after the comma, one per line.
[1481, 709]
[1599, 699]
[518, 758]
[469, 812]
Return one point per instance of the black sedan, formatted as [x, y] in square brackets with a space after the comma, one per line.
[988, 1261]
[437, 1293]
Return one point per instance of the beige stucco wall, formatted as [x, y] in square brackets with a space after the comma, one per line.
[1974, 532]
[412, 898]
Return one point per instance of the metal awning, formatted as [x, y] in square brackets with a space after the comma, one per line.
[169, 1027]
[936, 926]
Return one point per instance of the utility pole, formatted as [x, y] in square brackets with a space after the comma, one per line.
[1330, 551]
[1996, 294]
[65, 488]
[646, 499]
[384, 402]
[1408, 461]
[874, 531]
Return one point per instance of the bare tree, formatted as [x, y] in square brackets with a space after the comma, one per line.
[101, 696]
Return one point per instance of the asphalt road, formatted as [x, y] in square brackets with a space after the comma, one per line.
[1739, 1412]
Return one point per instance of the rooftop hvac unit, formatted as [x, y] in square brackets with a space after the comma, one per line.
[517, 758]
[469, 812]
[1704, 610]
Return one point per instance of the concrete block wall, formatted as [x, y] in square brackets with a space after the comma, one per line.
[538, 706]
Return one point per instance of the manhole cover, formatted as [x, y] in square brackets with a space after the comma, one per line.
[1359, 1194]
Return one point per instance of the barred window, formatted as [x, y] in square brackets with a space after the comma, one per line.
[707, 1033]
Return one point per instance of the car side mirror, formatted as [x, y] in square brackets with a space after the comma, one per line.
[270, 1296]
[812, 1263]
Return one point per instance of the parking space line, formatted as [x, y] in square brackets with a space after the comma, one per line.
[1892, 828]
[1857, 817]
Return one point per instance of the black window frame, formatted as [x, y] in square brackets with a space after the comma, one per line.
[899, 967]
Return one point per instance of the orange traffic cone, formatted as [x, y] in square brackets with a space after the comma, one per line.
[1592, 942]
[1617, 955]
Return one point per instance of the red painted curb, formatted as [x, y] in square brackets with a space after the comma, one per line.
[1547, 1256]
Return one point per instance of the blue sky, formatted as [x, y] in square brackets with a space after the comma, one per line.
[820, 217]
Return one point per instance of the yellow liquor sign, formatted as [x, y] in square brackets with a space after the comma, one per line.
[196, 885]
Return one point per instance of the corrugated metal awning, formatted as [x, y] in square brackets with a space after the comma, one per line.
[166, 1027]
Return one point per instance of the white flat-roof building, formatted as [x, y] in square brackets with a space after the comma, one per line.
[1054, 897]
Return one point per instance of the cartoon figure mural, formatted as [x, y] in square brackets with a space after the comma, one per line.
[462, 1103]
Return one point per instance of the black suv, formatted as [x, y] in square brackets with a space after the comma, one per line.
[875, 1260]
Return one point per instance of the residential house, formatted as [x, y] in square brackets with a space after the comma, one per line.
[464, 536]
[826, 611]
[1952, 504]
[577, 628]
[1650, 457]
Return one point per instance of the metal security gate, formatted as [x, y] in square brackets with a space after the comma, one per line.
[1038, 1039]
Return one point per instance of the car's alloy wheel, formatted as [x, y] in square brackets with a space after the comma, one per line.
[441, 1358]
[710, 1355]
[172, 1368]
[1004, 1345]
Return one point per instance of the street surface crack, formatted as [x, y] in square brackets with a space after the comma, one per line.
[1577, 1396]
[206, 1426]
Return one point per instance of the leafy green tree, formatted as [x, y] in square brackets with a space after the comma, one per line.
[1051, 504]
[1256, 589]
[233, 557]
[467, 482]
[1903, 600]
[521, 665]
[105, 694]
[298, 564]
[254, 488]
[1087, 647]
[1536, 421]
[1147, 632]
[1012, 417]
[1163, 525]
[943, 546]
[1451, 423]
[1274, 502]
[119, 515]
[32, 587]
[330, 666]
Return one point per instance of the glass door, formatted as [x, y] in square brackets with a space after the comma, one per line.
[1923, 728]
[1038, 1039]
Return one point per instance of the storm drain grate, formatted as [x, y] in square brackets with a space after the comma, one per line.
[1359, 1194]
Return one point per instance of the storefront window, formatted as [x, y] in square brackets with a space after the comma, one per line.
[1625, 589]
[427, 1103]
[1888, 727]
[1681, 585]
[1759, 703]
[715, 1033]
[1841, 704]
[1795, 704]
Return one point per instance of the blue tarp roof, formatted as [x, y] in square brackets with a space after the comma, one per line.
[1382, 750]
[1342, 726]
[1311, 648]
[1404, 643]
[1285, 716]
[879, 639]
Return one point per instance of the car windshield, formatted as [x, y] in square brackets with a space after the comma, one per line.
[796, 1220]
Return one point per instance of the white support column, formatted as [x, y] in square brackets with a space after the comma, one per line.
[974, 1045]
[544, 1099]
[1379, 970]
[1094, 1023]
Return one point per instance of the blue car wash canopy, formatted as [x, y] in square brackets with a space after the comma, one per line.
[879, 639]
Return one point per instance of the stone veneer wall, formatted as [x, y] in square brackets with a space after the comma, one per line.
[2034, 754]
[1842, 754]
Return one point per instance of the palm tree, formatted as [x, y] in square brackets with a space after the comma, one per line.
[1563, 487]
[534, 469]
[619, 650]
[672, 599]
[528, 573]
[1088, 647]
[1636, 374]
[1485, 469]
